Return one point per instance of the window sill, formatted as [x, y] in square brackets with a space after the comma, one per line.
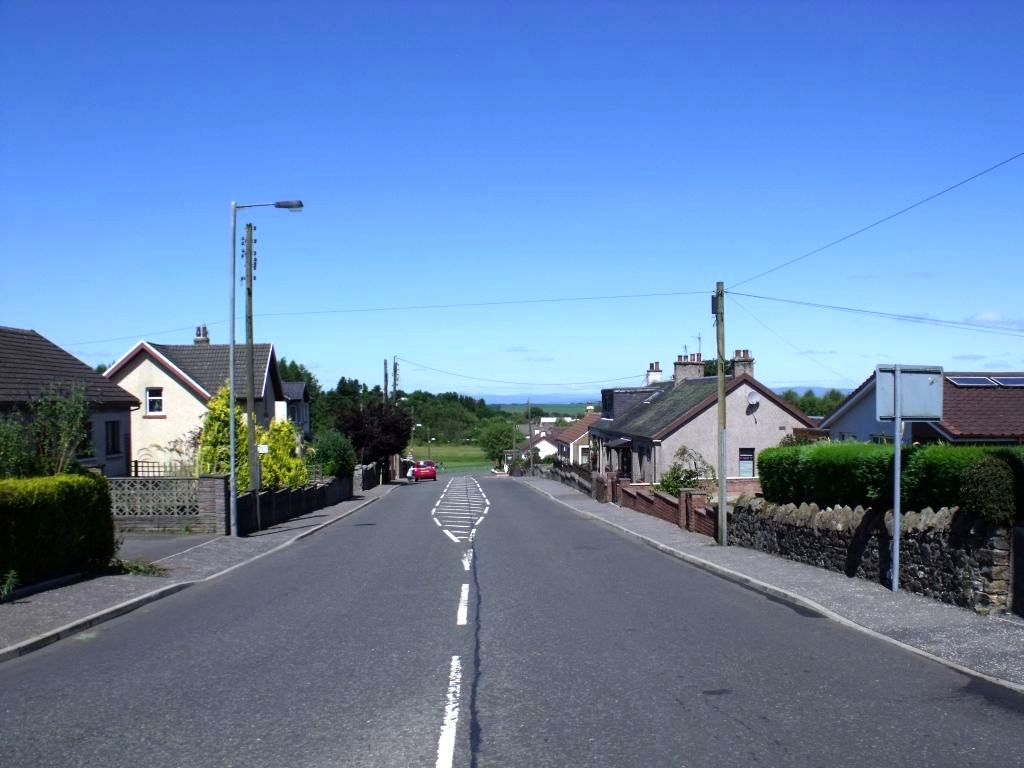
[154, 416]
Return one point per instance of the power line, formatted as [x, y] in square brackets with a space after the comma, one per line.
[997, 330]
[880, 221]
[474, 304]
[517, 383]
[412, 307]
[784, 340]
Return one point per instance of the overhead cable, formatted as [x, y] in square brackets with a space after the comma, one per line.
[874, 224]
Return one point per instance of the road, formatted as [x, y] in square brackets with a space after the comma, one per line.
[490, 627]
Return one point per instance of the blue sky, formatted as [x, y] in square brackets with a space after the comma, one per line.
[470, 152]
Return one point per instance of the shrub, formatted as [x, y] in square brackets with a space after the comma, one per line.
[933, 475]
[848, 473]
[987, 491]
[672, 480]
[779, 471]
[281, 467]
[334, 450]
[53, 526]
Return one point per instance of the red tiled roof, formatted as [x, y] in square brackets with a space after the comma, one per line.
[982, 412]
[579, 428]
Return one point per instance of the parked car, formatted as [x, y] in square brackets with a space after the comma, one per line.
[424, 470]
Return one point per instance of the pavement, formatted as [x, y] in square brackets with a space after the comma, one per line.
[41, 618]
[987, 647]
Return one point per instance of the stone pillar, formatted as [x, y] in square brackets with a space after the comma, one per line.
[215, 502]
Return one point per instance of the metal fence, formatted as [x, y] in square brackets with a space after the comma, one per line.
[144, 468]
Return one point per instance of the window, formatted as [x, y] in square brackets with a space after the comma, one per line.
[154, 399]
[113, 437]
[746, 462]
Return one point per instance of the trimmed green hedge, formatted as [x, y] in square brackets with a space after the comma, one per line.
[988, 482]
[53, 526]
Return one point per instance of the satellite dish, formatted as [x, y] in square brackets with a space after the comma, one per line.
[753, 398]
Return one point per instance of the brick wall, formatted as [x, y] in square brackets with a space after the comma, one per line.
[742, 486]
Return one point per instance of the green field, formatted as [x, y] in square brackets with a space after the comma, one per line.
[456, 458]
[574, 410]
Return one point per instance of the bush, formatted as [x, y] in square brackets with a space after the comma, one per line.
[827, 474]
[281, 467]
[933, 475]
[779, 471]
[672, 480]
[334, 450]
[987, 490]
[847, 473]
[53, 526]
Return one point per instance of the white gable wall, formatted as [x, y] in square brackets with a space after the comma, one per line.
[154, 435]
[761, 428]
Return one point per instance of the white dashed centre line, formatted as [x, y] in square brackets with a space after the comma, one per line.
[446, 744]
[460, 619]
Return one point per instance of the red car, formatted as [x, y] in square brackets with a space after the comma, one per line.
[424, 470]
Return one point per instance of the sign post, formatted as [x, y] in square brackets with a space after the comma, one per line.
[905, 393]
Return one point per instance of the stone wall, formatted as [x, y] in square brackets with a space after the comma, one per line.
[944, 555]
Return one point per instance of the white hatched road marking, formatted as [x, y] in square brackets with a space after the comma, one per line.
[461, 507]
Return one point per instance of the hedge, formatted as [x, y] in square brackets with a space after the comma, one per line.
[985, 481]
[54, 526]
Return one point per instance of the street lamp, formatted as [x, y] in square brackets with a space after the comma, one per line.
[290, 205]
[429, 440]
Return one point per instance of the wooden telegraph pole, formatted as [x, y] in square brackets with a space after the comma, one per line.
[718, 307]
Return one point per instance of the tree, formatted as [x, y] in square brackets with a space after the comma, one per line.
[59, 427]
[496, 436]
[215, 440]
[334, 450]
[377, 431]
[280, 467]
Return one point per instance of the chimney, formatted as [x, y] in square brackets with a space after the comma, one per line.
[688, 368]
[743, 363]
[202, 335]
[653, 373]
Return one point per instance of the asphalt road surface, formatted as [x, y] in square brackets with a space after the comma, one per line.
[476, 623]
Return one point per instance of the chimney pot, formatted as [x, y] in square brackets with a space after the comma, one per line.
[679, 358]
[699, 355]
[746, 354]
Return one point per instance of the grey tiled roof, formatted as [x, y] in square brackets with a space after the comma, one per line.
[663, 414]
[30, 364]
[648, 418]
[207, 364]
[294, 390]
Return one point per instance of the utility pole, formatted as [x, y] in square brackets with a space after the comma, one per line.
[394, 380]
[384, 394]
[529, 429]
[718, 307]
[254, 459]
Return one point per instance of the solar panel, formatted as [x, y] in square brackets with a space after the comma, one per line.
[971, 381]
[1009, 381]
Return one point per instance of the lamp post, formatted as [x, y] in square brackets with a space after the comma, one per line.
[290, 205]
[428, 438]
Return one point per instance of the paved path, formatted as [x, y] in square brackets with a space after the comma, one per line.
[989, 645]
[35, 618]
[156, 546]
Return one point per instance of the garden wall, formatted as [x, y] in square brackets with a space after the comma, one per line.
[945, 555]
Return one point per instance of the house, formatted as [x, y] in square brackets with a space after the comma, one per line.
[641, 428]
[31, 365]
[573, 442]
[977, 407]
[543, 442]
[295, 407]
[174, 382]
